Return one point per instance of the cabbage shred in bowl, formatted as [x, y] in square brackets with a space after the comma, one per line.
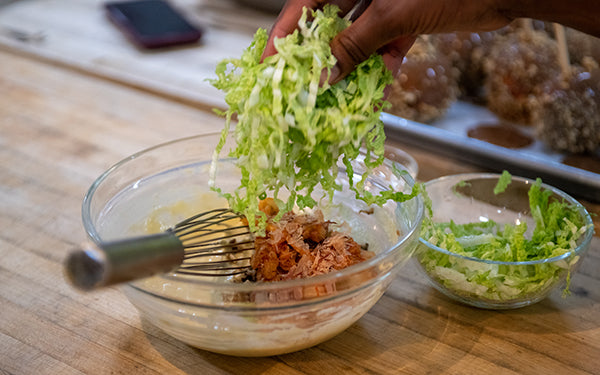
[501, 250]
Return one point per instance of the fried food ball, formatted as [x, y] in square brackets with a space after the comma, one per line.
[570, 116]
[467, 51]
[520, 69]
[426, 85]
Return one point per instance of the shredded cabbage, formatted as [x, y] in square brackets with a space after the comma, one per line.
[558, 226]
[503, 182]
[291, 129]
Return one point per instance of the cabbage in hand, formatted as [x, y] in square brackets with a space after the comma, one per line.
[291, 128]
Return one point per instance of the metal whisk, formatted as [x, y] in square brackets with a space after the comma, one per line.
[212, 243]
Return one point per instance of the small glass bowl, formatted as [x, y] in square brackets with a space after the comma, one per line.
[170, 182]
[489, 284]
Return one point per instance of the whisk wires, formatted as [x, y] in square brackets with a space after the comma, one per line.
[217, 243]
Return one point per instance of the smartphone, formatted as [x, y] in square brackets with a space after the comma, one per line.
[152, 23]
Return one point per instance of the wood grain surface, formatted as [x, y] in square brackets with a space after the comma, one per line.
[62, 123]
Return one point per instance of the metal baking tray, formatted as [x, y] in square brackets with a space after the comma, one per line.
[448, 137]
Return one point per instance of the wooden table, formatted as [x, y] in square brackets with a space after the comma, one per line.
[65, 118]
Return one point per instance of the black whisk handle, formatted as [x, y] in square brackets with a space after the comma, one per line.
[98, 265]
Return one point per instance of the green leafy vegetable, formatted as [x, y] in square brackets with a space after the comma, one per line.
[291, 129]
[503, 182]
[558, 226]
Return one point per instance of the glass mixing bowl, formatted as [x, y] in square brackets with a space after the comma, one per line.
[169, 182]
[493, 284]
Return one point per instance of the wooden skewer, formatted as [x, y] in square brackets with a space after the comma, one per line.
[563, 52]
[527, 24]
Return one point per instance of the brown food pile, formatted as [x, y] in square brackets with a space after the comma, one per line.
[519, 70]
[300, 246]
[570, 117]
[426, 84]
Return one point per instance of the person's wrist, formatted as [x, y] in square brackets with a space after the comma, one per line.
[512, 9]
[578, 14]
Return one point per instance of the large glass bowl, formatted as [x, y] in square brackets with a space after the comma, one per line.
[492, 284]
[170, 182]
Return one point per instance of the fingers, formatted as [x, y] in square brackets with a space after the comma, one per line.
[287, 21]
[355, 44]
[393, 53]
[364, 37]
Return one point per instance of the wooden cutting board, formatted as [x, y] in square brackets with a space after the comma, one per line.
[77, 33]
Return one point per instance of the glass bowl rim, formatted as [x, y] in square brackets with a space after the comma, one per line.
[255, 287]
[586, 239]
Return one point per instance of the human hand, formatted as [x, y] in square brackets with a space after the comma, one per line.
[389, 26]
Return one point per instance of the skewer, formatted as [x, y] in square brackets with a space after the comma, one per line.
[563, 52]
